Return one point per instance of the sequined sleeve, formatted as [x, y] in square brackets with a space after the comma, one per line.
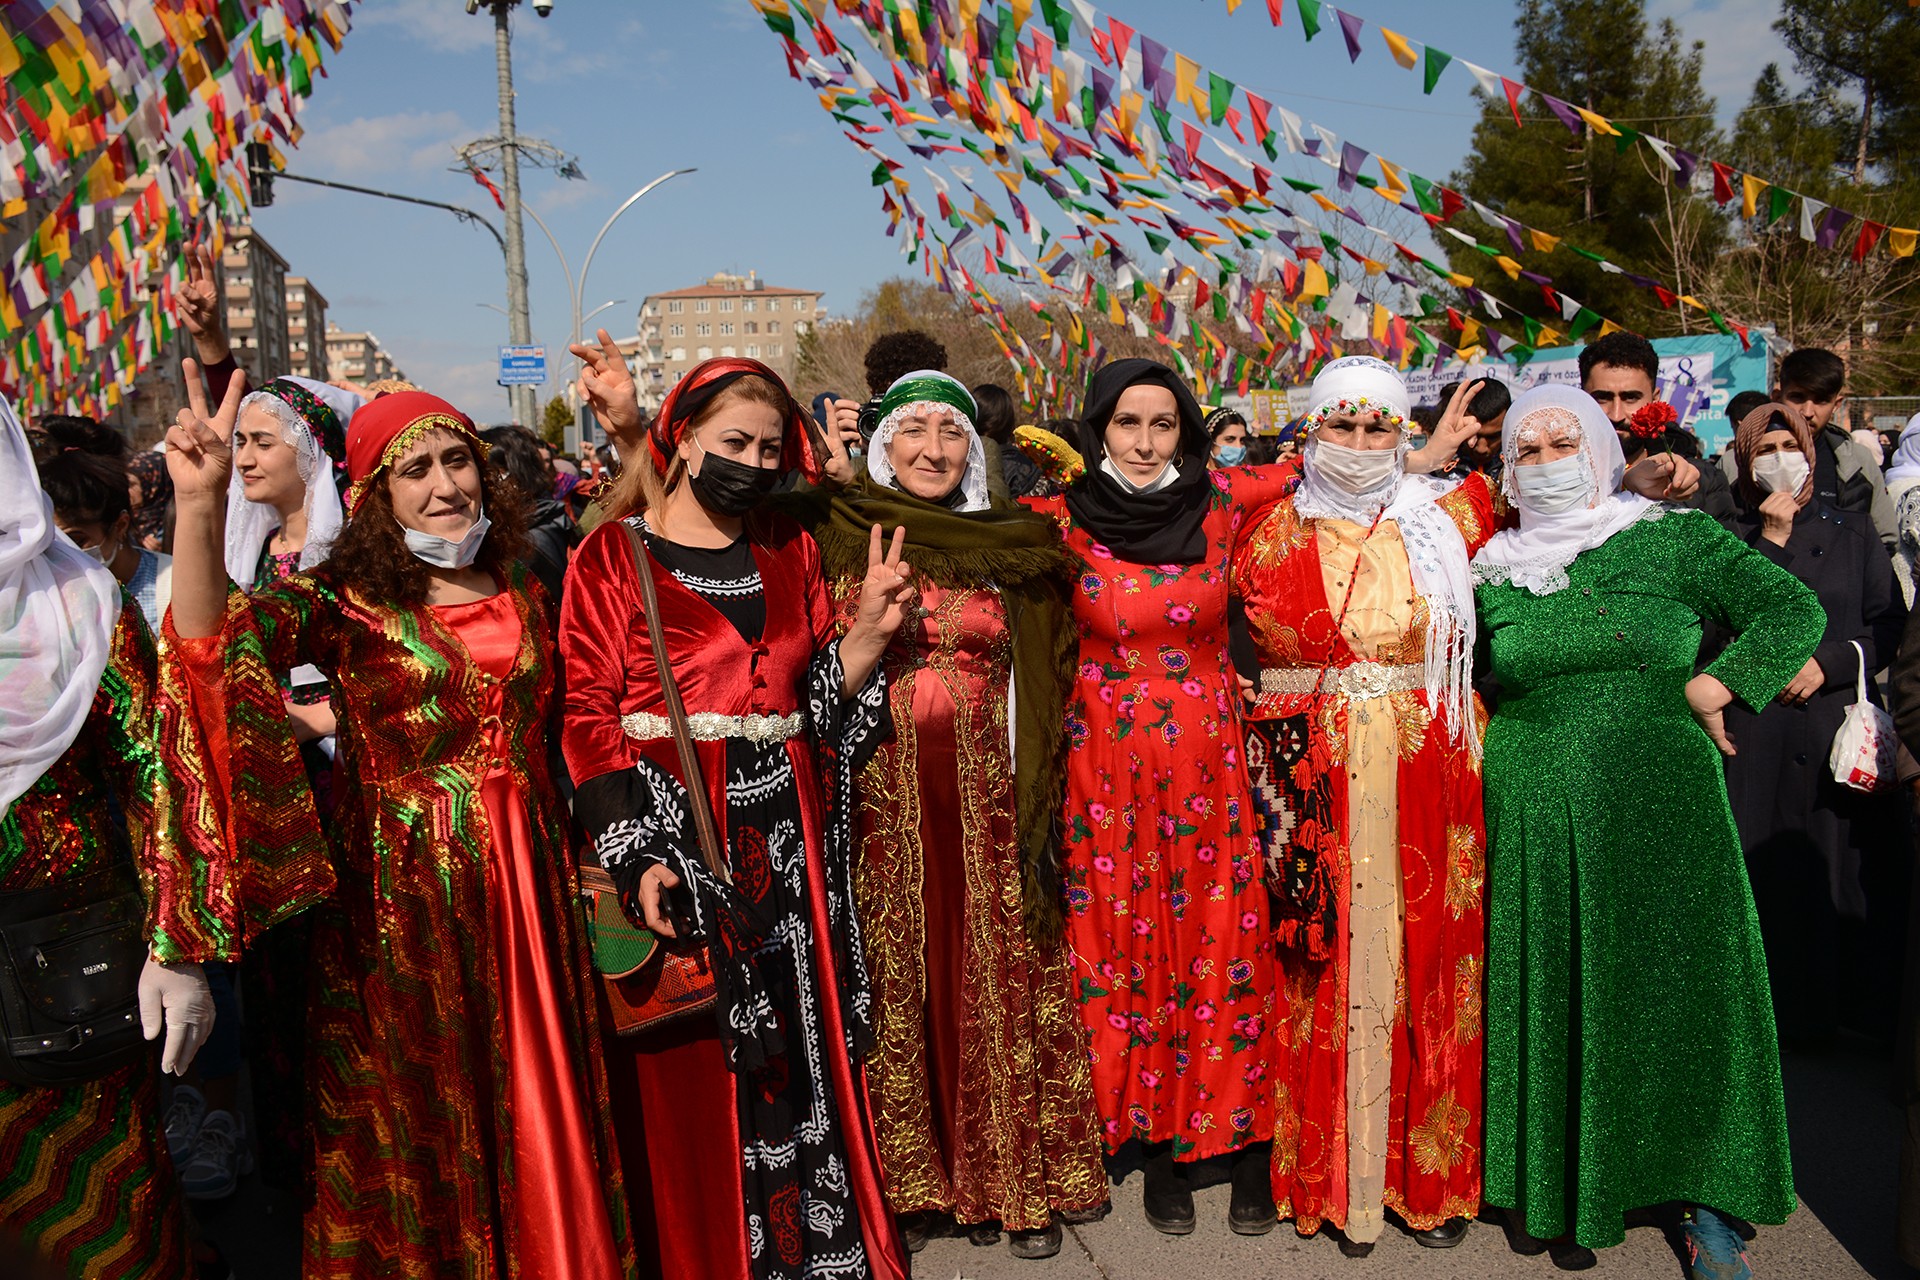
[1470, 505]
[184, 873]
[1777, 620]
[220, 698]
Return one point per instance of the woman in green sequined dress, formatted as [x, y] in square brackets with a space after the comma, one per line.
[1631, 1058]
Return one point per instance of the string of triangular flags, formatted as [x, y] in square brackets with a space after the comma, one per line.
[1820, 223]
[122, 131]
[986, 90]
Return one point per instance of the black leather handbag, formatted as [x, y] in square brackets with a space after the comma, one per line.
[70, 960]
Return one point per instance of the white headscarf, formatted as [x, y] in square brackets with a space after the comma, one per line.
[1904, 473]
[973, 481]
[58, 606]
[250, 524]
[1351, 384]
[1536, 555]
[1436, 553]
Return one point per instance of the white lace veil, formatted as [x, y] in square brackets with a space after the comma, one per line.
[250, 524]
[973, 481]
[1536, 555]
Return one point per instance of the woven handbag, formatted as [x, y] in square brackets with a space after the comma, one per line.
[652, 981]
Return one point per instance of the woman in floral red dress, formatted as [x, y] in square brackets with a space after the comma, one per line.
[1167, 912]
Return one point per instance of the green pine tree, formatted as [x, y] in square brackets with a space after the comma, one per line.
[554, 421]
[1610, 196]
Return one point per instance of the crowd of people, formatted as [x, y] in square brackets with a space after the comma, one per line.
[838, 827]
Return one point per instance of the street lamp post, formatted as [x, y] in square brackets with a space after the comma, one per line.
[576, 285]
[519, 318]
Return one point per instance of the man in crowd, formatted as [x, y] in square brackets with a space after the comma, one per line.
[1620, 372]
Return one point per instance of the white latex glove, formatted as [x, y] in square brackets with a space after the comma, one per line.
[175, 998]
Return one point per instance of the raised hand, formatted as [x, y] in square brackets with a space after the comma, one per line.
[887, 590]
[842, 434]
[200, 444]
[1443, 443]
[198, 303]
[606, 384]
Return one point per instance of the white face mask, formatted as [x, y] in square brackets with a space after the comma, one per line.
[1780, 472]
[1355, 470]
[1550, 488]
[444, 553]
[1168, 474]
[99, 552]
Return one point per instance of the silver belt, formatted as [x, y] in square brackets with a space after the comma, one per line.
[1355, 683]
[711, 726]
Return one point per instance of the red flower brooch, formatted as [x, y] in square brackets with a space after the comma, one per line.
[1652, 420]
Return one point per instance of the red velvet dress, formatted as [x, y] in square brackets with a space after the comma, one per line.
[1167, 912]
[745, 1133]
[458, 1110]
[1378, 1036]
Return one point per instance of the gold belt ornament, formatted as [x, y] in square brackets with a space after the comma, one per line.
[1355, 683]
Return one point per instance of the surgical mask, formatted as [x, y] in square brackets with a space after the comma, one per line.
[730, 488]
[1168, 474]
[1355, 470]
[99, 552]
[1230, 455]
[1780, 472]
[1550, 488]
[445, 553]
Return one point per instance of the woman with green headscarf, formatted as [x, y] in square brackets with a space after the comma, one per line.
[982, 1099]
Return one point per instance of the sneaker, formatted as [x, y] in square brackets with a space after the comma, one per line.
[1714, 1248]
[220, 1155]
[181, 1123]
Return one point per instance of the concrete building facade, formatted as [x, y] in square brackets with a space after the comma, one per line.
[306, 329]
[254, 285]
[729, 315]
[358, 357]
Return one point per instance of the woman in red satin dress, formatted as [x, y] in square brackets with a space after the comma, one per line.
[745, 1131]
[458, 1104]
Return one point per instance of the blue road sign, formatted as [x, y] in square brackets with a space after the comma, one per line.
[523, 366]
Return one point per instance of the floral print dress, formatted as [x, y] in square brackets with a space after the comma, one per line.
[1166, 908]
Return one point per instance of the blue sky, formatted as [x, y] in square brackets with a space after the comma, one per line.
[637, 88]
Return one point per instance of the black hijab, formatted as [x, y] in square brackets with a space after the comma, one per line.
[1163, 527]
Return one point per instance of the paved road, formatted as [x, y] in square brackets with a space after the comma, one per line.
[1845, 1151]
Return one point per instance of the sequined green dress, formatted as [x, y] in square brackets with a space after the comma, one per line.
[1631, 1057]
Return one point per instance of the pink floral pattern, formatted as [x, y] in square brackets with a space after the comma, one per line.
[1166, 915]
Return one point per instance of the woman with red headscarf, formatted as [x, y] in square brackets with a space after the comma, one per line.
[458, 1109]
[744, 1129]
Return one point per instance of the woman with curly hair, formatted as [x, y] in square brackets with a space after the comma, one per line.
[458, 1108]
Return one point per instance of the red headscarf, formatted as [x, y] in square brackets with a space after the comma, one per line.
[799, 445]
[387, 426]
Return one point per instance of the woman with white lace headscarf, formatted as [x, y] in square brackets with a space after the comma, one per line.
[1363, 745]
[1903, 487]
[83, 794]
[1630, 1048]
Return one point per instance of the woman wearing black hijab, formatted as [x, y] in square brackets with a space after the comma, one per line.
[1166, 909]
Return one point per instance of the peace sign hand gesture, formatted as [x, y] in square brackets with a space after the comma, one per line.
[606, 384]
[841, 434]
[198, 302]
[1455, 426]
[885, 595]
[887, 589]
[199, 444]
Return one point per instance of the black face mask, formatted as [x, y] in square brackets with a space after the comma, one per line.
[730, 488]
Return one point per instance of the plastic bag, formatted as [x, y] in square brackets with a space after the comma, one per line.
[1863, 750]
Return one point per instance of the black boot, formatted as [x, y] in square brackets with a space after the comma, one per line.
[1168, 1198]
[1252, 1212]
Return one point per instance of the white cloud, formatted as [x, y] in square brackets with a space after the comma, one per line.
[438, 24]
[404, 142]
[1740, 41]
